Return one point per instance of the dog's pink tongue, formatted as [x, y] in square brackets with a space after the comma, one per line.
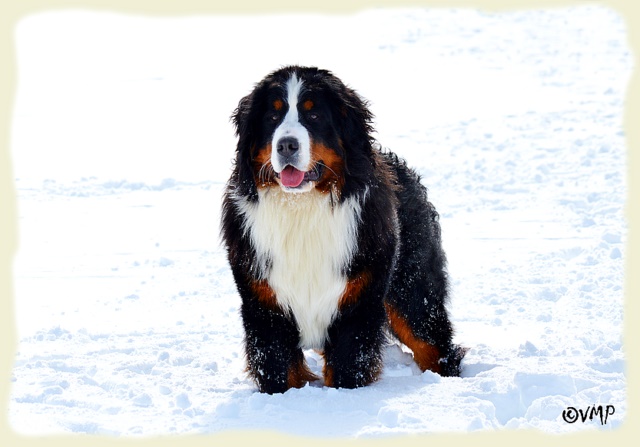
[291, 177]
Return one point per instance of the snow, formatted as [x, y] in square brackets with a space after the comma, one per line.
[126, 311]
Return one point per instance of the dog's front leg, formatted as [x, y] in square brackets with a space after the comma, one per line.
[274, 360]
[352, 352]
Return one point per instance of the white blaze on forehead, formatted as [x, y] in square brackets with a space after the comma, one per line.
[294, 88]
[291, 127]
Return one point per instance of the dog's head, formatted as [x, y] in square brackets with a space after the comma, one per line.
[301, 129]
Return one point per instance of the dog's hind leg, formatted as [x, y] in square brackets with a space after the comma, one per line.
[418, 293]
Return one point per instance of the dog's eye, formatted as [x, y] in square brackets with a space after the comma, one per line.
[274, 116]
[313, 116]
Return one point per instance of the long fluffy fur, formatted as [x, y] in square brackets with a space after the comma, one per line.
[339, 266]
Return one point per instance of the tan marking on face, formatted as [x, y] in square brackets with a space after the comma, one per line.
[307, 105]
[278, 104]
[262, 171]
[332, 178]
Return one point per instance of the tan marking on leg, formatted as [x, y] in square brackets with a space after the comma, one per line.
[424, 354]
[354, 288]
[299, 375]
[327, 372]
[264, 293]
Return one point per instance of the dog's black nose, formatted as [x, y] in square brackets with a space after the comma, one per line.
[288, 146]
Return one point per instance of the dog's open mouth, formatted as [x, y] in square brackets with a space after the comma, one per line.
[292, 177]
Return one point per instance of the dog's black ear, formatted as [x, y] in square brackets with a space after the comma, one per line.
[359, 117]
[240, 115]
[242, 119]
[356, 123]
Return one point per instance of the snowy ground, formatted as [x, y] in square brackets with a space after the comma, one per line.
[127, 315]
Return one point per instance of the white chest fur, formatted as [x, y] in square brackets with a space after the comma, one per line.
[303, 244]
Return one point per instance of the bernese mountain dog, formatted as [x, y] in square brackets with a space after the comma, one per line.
[332, 241]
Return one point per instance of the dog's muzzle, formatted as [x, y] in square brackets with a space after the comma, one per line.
[287, 149]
